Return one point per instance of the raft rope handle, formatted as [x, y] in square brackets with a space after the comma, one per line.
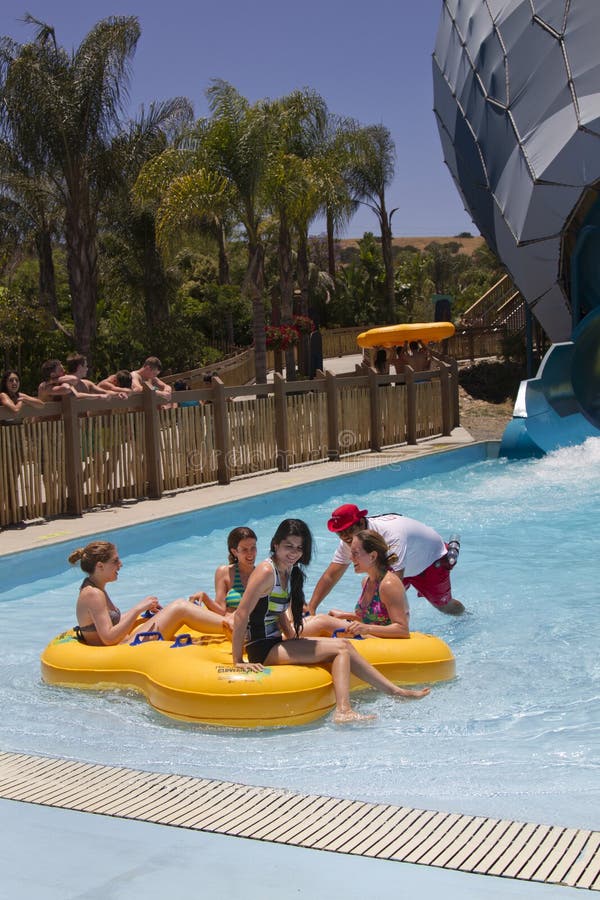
[140, 635]
[355, 637]
[182, 640]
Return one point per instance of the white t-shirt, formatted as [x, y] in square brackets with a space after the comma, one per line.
[416, 545]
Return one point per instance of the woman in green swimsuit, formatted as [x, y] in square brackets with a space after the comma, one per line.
[231, 579]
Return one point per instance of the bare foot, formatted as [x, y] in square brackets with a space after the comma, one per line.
[414, 695]
[344, 718]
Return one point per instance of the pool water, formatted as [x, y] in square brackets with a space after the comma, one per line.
[515, 735]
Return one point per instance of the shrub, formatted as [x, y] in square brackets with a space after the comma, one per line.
[494, 382]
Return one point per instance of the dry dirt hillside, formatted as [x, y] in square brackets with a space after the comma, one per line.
[468, 245]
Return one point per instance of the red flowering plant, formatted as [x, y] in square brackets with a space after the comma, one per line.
[280, 337]
[304, 324]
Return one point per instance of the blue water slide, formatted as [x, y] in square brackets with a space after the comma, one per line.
[560, 407]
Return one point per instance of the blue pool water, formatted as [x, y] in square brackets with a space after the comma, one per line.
[514, 735]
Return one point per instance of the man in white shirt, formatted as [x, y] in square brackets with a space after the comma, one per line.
[420, 551]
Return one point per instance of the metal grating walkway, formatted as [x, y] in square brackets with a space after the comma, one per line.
[551, 854]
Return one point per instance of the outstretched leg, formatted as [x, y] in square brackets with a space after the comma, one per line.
[322, 625]
[343, 660]
[366, 672]
[183, 614]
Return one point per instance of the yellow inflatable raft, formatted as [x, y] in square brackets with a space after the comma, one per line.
[394, 335]
[192, 678]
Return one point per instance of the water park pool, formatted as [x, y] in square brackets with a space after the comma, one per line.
[515, 735]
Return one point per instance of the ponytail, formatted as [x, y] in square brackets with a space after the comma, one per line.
[297, 578]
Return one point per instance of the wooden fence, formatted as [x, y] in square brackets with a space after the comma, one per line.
[103, 451]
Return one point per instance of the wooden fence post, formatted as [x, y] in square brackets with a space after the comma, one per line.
[447, 411]
[411, 405]
[222, 433]
[471, 339]
[375, 409]
[281, 423]
[73, 461]
[333, 414]
[152, 438]
[454, 397]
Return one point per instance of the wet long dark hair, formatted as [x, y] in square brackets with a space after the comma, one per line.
[296, 528]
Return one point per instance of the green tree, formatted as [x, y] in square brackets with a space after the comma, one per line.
[64, 108]
[371, 173]
[414, 285]
[30, 213]
[225, 178]
[128, 233]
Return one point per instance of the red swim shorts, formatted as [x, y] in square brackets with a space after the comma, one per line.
[433, 584]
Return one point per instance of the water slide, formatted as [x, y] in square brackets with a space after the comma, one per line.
[522, 143]
[561, 405]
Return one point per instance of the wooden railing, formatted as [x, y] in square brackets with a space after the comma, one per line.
[239, 368]
[503, 306]
[76, 454]
[236, 369]
[474, 343]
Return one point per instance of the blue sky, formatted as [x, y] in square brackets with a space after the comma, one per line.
[371, 61]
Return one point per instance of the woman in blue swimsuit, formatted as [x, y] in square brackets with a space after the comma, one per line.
[231, 579]
[272, 639]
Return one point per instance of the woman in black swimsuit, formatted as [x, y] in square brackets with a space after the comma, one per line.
[272, 640]
[100, 623]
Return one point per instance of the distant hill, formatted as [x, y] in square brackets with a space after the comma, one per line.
[468, 245]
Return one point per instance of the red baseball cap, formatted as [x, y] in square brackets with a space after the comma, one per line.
[345, 516]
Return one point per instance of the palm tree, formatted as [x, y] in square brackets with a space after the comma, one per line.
[30, 213]
[185, 197]
[371, 173]
[237, 143]
[130, 231]
[63, 109]
[292, 193]
[336, 149]
[218, 175]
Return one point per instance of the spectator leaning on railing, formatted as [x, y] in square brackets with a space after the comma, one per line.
[147, 375]
[11, 395]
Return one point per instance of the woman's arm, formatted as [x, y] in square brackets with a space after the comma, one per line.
[30, 401]
[286, 625]
[222, 586]
[340, 614]
[260, 583]
[93, 601]
[6, 401]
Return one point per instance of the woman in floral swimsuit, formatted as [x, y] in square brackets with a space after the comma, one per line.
[382, 608]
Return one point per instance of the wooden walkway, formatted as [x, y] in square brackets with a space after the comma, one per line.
[544, 853]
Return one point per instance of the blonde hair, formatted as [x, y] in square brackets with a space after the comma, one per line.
[89, 556]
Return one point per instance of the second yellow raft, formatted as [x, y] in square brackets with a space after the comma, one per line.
[394, 335]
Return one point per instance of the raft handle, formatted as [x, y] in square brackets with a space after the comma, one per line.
[355, 637]
[182, 640]
[139, 638]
